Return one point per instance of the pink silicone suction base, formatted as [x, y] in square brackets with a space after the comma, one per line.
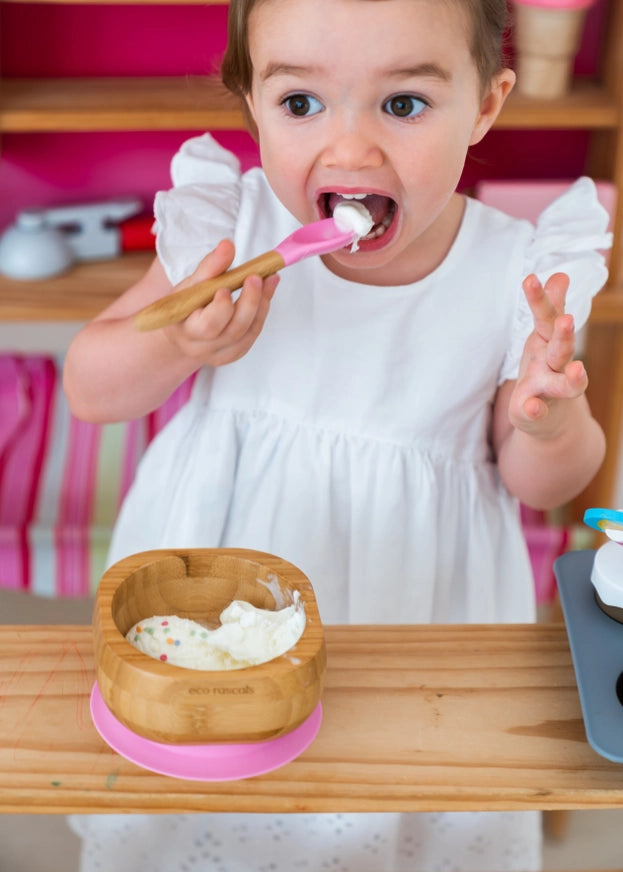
[217, 762]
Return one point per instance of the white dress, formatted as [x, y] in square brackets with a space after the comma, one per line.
[352, 440]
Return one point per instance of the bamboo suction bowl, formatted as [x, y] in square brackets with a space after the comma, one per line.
[172, 704]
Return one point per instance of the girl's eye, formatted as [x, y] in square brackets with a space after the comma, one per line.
[404, 106]
[302, 105]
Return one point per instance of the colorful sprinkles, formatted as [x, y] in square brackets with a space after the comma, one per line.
[166, 629]
[173, 640]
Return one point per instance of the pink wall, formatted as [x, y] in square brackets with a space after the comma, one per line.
[66, 40]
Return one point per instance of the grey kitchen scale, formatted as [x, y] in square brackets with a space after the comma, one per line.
[587, 584]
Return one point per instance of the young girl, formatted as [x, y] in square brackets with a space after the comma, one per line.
[377, 417]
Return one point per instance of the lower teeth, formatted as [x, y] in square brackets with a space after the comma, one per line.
[380, 229]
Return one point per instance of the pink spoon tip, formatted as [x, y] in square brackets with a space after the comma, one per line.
[319, 237]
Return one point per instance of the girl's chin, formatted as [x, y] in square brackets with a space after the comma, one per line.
[371, 267]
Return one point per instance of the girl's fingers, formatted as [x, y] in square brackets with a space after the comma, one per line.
[556, 288]
[546, 303]
[540, 306]
[226, 321]
[213, 264]
[232, 346]
[268, 292]
[270, 285]
[532, 398]
[208, 323]
[561, 347]
[534, 408]
[577, 376]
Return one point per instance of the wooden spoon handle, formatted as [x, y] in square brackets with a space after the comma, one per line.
[175, 307]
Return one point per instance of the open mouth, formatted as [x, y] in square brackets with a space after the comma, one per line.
[382, 210]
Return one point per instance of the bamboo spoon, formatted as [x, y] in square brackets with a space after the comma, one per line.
[319, 237]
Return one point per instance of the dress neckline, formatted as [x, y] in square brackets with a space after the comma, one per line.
[459, 246]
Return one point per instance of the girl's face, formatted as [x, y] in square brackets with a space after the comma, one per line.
[378, 98]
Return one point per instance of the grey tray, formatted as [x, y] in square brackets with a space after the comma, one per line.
[596, 642]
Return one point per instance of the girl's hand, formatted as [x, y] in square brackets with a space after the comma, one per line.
[224, 330]
[548, 375]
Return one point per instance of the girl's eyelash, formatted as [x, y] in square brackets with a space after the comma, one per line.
[301, 105]
[402, 106]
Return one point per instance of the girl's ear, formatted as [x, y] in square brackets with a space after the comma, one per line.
[501, 86]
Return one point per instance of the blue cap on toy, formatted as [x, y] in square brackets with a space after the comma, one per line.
[608, 521]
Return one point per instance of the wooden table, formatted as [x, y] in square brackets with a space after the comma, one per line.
[415, 719]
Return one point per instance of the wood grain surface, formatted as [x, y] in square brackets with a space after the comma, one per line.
[415, 718]
[77, 295]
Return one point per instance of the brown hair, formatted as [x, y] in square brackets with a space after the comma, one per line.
[489, 20]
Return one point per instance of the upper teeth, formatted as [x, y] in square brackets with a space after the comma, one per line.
[354, 196]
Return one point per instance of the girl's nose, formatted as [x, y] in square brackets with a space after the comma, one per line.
[351, 150]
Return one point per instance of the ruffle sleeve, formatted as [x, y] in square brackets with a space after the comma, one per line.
[200, 209]
[570, 236]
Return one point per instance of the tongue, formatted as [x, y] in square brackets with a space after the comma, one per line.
[377, 205]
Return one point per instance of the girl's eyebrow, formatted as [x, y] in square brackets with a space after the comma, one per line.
[279, 69]
[427, 70]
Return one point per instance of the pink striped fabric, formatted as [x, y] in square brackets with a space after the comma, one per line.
[75, 507]
[61, 480]
[32, 382]
[26, 387]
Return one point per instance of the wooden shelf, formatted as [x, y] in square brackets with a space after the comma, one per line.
[202, 103]
[474, 717]
[77, 295]
[100, 104]
[587, 106]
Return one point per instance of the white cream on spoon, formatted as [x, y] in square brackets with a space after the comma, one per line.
[353, 215]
